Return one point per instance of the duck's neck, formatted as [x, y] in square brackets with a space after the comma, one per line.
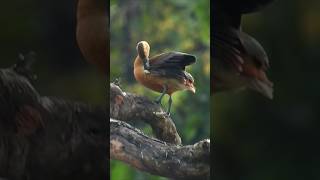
[138, 63]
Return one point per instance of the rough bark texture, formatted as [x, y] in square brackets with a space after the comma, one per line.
[46, 137]
[130, 107]
[163, 156]
[157, 157]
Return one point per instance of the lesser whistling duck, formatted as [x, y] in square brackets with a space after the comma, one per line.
[239, 61]
[92, 32]
[164, 73]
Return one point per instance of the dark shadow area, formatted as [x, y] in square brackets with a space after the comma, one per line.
[62, 141]
[275, 139]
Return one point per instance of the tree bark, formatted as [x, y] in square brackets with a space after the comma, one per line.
[164, 156]
[131, 146]
[130, 107]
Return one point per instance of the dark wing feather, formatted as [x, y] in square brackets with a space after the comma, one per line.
[255, 50]
[171, 60]
[227, 47]
[168, 73]
[228, 44]
[171, 65]
[172, 74]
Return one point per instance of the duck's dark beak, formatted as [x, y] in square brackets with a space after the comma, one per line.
[145, 62]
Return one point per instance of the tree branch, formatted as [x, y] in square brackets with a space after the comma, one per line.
[47, 137]
[130, 107]
[130, 145]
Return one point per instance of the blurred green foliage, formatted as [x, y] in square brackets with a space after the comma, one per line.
[168, 25]
[276, 139]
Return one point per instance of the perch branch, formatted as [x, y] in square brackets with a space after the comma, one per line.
[130, 145]
[130, 107]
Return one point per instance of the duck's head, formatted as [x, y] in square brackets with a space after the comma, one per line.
[143, 49]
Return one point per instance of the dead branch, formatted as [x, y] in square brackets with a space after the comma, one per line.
[130, 145]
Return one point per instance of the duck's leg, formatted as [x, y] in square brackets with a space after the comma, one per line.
[169, 107]
[164, 91]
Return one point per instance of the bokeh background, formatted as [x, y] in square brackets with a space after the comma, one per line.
[279, 139]
[48, 29]
[168, 25]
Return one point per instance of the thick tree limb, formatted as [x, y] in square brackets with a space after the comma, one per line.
[131, 146]
[130, 107]
[46, 137]
[154, 156]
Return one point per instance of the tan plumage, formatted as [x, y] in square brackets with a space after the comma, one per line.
[164, 72]
[92, 32]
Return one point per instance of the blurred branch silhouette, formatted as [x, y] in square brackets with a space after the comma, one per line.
[164, 157]
[47, 137]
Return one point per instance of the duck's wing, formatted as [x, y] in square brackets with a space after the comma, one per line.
[228, 43]
[171, 65]
[227, 47]
[172, 73]
[255, 49]
[171, 60]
